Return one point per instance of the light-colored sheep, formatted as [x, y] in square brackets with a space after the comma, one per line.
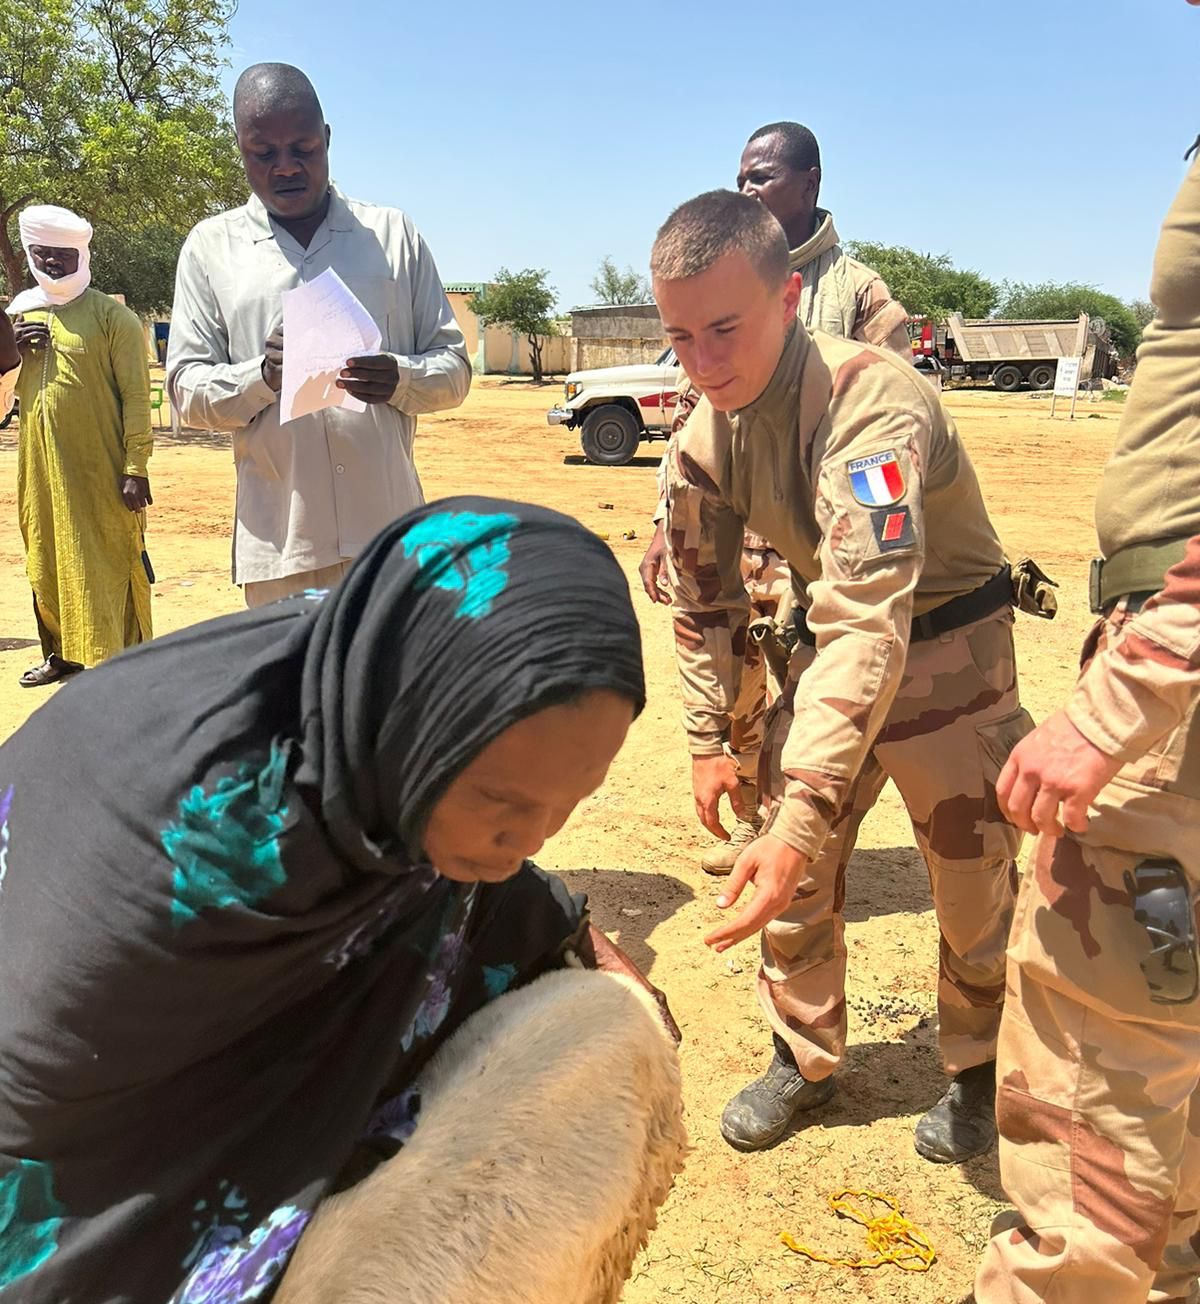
[550, 1131]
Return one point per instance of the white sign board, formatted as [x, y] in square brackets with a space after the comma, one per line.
[1066, 377]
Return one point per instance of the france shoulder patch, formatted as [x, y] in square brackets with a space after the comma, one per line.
[876, 481]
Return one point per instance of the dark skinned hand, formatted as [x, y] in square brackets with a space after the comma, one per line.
[598, 952]
[272, 363]
[31, 335]
[10, 355]
[653, 569]
[371, 379]
[135, 490]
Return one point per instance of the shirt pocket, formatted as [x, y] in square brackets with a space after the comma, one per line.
[379, 295]
[68, 353]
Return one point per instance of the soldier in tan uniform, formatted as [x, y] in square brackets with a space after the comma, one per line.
[843, 457]
[781, 168]
[1100, 1047]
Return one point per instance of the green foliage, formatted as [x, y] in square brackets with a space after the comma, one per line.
[522, 302]
[617, 287]
[114, 108]
[1051, 300]
[1143, 310]
[138, 263]
[928, 285]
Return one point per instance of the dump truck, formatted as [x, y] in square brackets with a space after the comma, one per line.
[1011, 353]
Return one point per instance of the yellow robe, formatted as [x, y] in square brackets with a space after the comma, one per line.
[85, 424]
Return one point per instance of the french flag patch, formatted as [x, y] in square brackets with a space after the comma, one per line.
[876, 481]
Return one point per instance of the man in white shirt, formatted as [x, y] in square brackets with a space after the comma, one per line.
[313, 493]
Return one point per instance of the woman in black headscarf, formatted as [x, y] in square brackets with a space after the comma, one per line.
[254, 874]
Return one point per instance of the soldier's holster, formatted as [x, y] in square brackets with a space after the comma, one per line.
[1162, 904]
[1033, 590]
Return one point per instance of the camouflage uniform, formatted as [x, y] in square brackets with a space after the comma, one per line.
[844, 297]
[937, 716]
[1097, 1101]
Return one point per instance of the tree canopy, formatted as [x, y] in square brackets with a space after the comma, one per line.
[114, 108]
[610, 285]
[523, 302]
[1051, 299]
[928, 285]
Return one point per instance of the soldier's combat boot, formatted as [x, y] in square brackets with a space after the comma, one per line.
[719, 860]
[762, 1112]
[963, 1123]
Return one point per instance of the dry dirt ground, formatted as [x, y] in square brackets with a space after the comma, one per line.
[634, 846]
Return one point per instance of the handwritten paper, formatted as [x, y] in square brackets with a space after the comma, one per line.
[323, 326]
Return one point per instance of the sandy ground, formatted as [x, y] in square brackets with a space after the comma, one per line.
[634, 847]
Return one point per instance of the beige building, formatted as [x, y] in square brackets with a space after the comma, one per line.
[494, 350]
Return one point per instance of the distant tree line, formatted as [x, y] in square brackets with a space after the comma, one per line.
[929, 285]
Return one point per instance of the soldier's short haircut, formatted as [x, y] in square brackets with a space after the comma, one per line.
[800, 148]
[712, 225]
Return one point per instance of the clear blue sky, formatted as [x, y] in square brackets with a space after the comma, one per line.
[1033, 139]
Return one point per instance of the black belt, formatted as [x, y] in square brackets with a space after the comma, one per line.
[960, 611]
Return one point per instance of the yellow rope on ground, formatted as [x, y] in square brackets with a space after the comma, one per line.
[891, 1236]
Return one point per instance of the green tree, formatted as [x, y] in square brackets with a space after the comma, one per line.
[617, 287]
[1051, 300]
[1143, 310]
[523, 302]
[114, 108]
[928, 285]
[138, 262]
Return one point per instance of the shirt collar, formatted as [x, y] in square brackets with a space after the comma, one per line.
[338, 218]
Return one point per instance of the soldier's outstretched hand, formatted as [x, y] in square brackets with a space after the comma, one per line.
[1055, 765]
[775, 869]
[711, 776]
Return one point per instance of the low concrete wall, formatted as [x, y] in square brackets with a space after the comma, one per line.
[590, 353]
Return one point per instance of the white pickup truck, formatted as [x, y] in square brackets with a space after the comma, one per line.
[615, 408]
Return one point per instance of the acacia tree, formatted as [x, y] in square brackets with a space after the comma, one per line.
[1144, 312]
[522, 302]
[928, 285]
[114, 108]
[616, 287]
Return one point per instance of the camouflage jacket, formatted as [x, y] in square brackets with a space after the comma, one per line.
[850, 466]
[1142, 683]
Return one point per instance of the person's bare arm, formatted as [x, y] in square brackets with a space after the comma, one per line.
[596, 951]
[10, 355]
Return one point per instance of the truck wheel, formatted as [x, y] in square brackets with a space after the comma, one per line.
[1042, 376]
[610, 435]
[1007, 378]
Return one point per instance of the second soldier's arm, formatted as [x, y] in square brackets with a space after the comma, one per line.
[880, 319]
[655, 561]
[711, 614]
[1135, 690]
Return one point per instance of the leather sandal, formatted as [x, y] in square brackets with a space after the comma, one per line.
[51, 671]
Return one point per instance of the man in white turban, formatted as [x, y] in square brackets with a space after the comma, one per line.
[82, 486]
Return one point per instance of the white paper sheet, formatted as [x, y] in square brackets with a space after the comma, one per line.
[323, 325]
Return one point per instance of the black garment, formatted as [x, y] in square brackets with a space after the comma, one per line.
[221, 952]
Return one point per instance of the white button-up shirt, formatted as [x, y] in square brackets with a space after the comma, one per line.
[316, 491]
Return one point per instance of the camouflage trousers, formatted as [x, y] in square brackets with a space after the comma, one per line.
[767, 577]
[1098, 1098]
[954, 720]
